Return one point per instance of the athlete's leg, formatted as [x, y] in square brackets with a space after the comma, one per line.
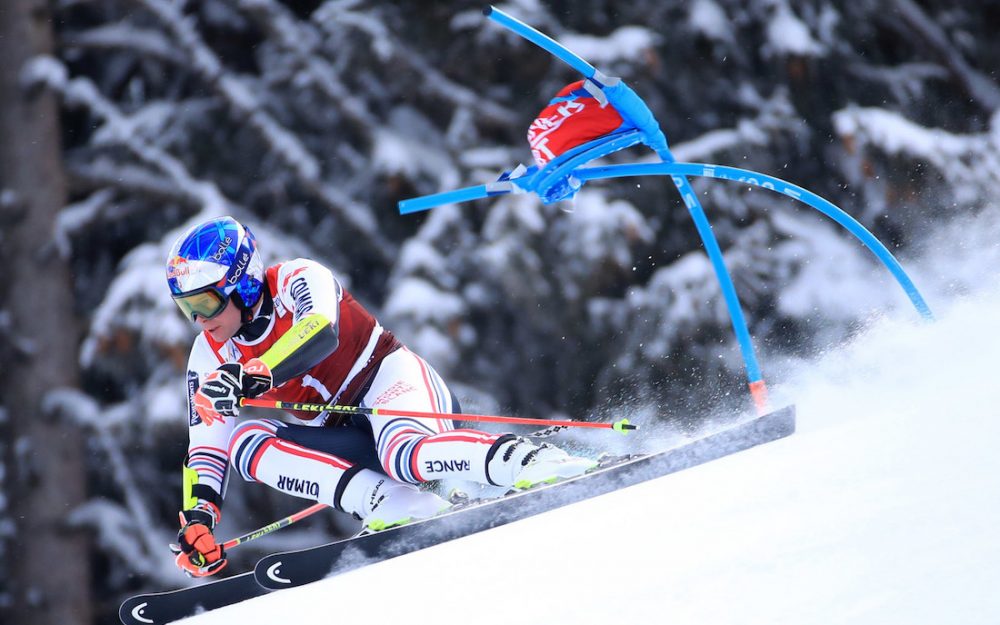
[351, 442]
[259, 453]
[419, 450]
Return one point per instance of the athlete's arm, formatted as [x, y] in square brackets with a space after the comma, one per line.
[207, 462]
[304, 345]
[313, 295]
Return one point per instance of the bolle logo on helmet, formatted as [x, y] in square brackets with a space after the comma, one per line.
[223, 246]
[177, 267]
[238, 268]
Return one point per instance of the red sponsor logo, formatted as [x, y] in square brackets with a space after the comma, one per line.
[256, 366]
[394, 391]
[288, 278]
[177, 267]
[545, 125]
[573, 119]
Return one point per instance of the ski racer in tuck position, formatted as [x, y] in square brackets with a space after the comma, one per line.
[291, 332]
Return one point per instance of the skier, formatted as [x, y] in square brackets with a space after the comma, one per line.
[291, 332]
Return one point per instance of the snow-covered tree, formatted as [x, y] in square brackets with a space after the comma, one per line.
[310, 119]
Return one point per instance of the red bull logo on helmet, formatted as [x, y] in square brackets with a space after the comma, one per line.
[177, 267]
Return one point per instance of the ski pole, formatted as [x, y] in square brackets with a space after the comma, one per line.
[621, 425]
[277, 525]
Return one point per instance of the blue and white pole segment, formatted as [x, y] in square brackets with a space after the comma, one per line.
[720, 172]
[425, 202]
[777, 185]
[758, 388]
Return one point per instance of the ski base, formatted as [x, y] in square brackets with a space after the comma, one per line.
[294, 568]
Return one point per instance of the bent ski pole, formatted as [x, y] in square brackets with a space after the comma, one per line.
[621, 425]
[277, 525]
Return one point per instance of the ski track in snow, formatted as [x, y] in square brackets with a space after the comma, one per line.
[883, 508]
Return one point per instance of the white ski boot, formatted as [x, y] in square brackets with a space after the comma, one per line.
[381, 502]
[522, 464]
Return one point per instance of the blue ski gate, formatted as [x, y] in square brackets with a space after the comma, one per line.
[563, 176]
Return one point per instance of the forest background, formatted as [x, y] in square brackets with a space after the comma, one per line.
[124, 121]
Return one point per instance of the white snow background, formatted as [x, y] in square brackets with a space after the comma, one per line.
[884, 507]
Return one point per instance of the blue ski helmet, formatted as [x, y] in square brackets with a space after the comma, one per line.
[214, 262]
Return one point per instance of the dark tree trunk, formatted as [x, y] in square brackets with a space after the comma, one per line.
[47, 574]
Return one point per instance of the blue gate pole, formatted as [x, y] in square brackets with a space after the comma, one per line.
[758, 388]
[783, 187]
[755, 380]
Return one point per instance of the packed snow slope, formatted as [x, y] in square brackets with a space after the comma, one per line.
[883, 509]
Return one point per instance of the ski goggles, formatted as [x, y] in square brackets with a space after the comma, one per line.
[206, 303]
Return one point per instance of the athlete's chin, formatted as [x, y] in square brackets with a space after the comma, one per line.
[219, 335]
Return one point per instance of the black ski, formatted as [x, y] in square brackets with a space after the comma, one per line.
[165, 607]
[284, 570]
[294, 568]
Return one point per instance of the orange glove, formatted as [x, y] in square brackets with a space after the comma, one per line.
[198, 554]
[219, 395]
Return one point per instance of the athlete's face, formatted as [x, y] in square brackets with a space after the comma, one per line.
[223, 326]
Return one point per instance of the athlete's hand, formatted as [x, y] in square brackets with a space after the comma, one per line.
[198, 555]
[219, 395]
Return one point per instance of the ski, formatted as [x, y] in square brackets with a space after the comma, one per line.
[294, 568]
[165, 607]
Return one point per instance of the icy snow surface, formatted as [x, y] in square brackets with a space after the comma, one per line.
[883, 508]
